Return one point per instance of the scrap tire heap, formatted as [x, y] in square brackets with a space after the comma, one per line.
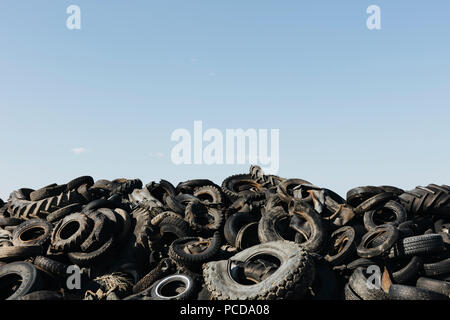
[252, 237]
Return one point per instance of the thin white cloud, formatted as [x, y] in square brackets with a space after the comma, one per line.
[158, 155]
[78, 150]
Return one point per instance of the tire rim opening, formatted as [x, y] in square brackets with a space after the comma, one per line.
[32, 233]
[9, 285]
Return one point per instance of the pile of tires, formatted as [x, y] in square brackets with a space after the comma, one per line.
[254, 237]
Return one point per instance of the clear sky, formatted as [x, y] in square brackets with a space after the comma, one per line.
[353, 106]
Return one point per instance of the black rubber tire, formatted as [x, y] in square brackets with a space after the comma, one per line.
[47, 192]
[163, 269]
[175, 226]
[78, 182]
[178, 254]
[408, 273]
[437, 268]
[418, 245]
[91, 258]
[396, 208]
[30, 279]
[125, 187]
[13, 253]
[358, 283]
[73, 241]
[102, 230]
[230, 186]
[36, 240]
[358, 195]
[432, 199]
[234, 223]
[44, 295]
[209, 194]
[63, 212]
[274, 226]
[292, 278]
[10, 222]
[97, 204]
[396, 191]
[374, 202]
[168, 284]
[317, 237]
[247, 236]
[50, 266]
[345, 253]
[360, 263]
[189, 186]
[161, 190]
[284, 189]
[442, 287]
[401, 292]
[214, 217]
[112, 217]
[124, 222]
[390, 236]
[349, 294]
[20, 206]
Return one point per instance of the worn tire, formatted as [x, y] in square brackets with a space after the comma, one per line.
[50, 266]
[291, 280]
[418, 245]
[30, 279]
[164, 288]
[25, 231]
[401, 292]
[65, 242]
[178, 252]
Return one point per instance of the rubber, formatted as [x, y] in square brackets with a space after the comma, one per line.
[30, 278]
[63, 212]
[402, 292]
[33, 224]
[190, 288]
[178, 252]
[85, 226]
[51, 266]
[291, 280]
[390, 234]
[418, 245]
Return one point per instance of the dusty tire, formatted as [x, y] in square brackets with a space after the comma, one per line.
[42, 295]
[359, 284]
[50, 266]
[293, 276]
[274, 226]
[370, 217]
[284, 189]
[13, 253]
[181, 253]
[35, 232]
[78, 182]
[70, 232]
[18, 272]
[63, 212]
[401, 292]
[47, 192]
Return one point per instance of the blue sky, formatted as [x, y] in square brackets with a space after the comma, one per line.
[354, 106]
